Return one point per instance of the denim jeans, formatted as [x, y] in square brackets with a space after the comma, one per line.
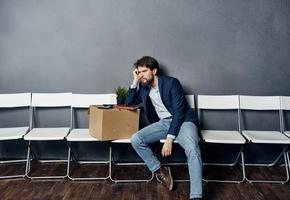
[187, 139]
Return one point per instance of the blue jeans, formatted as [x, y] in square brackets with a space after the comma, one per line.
[187, 139]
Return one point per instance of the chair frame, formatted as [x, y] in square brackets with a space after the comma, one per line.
[283, 100]
[31, 155]
[113, 163]
[12, 161]
[240, 154]
[70, 152]
[278, 158]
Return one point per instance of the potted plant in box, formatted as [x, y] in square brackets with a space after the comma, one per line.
[121, 93]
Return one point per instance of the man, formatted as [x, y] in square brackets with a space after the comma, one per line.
[171, 117]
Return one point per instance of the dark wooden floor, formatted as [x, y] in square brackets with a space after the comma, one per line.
[26, 189]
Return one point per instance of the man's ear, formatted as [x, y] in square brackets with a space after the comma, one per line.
[154, 71]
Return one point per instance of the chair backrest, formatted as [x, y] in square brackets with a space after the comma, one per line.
[260, 102]
[190, 100]
[51, 99]
[85, 100]
[218, 102]
[285, 103]
[15, 100]
[48, 100]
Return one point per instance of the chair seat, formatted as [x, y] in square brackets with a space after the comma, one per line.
[47, 134]
[80, 135]
[13, 133]
[266, 137]
[121, 141]
[163, 140]
[287, 133]
[222, 137]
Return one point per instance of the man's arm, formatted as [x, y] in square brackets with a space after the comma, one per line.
[133, 97]
[178, 108]
[177, 117]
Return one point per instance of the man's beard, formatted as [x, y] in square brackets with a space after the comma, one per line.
[147, 83]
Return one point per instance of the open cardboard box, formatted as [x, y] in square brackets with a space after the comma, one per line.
[114, 123]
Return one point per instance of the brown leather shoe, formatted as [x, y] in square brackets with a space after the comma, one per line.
[164, 177]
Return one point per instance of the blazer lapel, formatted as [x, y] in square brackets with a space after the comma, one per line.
[160, 87]
[146, 94]
[164, 97]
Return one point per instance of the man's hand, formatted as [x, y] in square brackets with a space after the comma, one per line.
[167, 147]
[136, 77]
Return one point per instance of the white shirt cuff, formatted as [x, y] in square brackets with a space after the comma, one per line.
[171, 136]
[133, 86]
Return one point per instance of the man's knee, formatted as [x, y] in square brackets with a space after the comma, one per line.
[135, 140]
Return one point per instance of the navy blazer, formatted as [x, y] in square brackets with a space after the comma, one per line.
[173, 99]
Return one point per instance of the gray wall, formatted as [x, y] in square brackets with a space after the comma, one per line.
[213, 47]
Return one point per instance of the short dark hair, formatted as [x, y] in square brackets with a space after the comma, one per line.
[148, 62]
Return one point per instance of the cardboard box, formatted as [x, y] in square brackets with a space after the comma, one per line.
[114, 123]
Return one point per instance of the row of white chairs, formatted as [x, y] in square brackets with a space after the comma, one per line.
[241, 136]
[70, 133]
[31, 133]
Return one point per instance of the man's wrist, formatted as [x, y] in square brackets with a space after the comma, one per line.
[134, 84]
[169, 141]
[171, 136]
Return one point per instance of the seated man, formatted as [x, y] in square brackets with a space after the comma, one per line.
[171, 117]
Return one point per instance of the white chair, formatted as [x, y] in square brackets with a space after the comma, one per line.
[285, 106]
[219, 103]
[266, 103]
[190, 101]
[47, 100]
[83, 101]
[11, 101]
[114, 163]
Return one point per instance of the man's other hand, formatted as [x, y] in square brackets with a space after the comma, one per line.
[136, 77]
[167, 147]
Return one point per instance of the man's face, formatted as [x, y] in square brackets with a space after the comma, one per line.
[146, 75]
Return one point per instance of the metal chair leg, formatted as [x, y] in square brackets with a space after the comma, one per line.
[28, 166]
[286, 160]
[16, 175]
[240, 155]
[87, 162]
[127, 164]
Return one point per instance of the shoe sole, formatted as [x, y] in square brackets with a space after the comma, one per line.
[171, 180]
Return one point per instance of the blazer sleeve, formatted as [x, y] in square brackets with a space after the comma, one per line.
[133, 97]
[178, 108]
